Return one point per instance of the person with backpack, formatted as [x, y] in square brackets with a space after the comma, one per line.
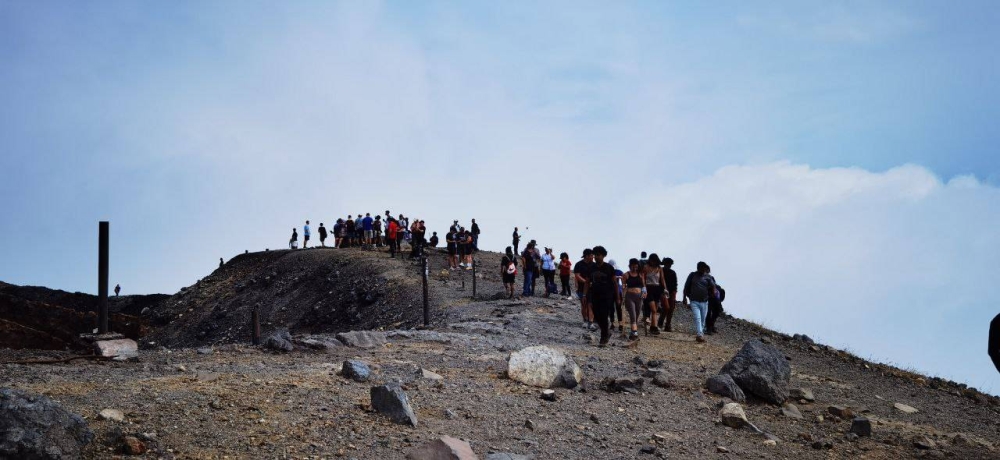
[565, 269]
[305, 235]
[714, 309]
[293, 243]
[667, 315]
[602, 292]
[620, 322]
[322, 235]
[699, 287]
[654, 292]
[994, 342]
[528, 265]
[118, 289]
[508, 273]
[635, 294]
[581, 271]
[549, 272]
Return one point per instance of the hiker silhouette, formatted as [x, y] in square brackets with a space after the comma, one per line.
[995, 341]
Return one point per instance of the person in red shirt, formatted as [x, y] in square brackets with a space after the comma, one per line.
[565, 269]
[391, 235]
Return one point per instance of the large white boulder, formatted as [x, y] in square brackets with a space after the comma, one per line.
[543, 367]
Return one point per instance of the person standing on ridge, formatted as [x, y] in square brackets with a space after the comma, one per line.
[368, 225]
[995, 342]
[517, 240]
[118, 289]
[508, 273]
[602, 292]
[565, 269]
[221, 263]
[322, 235]
[452, 250]
[549, 272]
[349, 231]
[305, 235]
[528, 265]
[581, 271]
[391, 237]
[378, 231]
[338, 233]
[698, 287]
[667, 316]
[293, 243]
[620, 324]
[475, 235]
[434, 240]
[359, 230]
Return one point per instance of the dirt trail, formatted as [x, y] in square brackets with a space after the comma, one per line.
[244, 402]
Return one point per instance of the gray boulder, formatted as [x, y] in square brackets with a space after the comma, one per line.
[362, 339]
[356, 370]
[507, 456]
[760, 370]
[391, 401]
[543, 367]
[723, 385]
[35, 427]
[445, 448]
[623, 384]
[279, 341]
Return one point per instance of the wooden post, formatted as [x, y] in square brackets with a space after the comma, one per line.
[427, 305]
[473, 279]
[102, 277]
[255, 326]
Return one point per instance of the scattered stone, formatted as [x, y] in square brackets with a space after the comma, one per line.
[133, 446]
[841, 411]
[822, 445]
[215, 404]
[118, 349]
[654, 363]
[445, 448]
[429, 375]
[639, 361]
[861, 426]
[819, 419]
[801, 393]
[279, 341]
[852, 437]
[791, 411]
[905, 409]
[760, 370]
[594, 418]
[529, 425]
[506, 456]
[805, 436]
[623, 384]
[724, 385]
[732, 415]
[549, 395]
[721, 450]
[362, 339]
[803, 338]
[390, 400]
[450, 414]
[356, 370]
[770, 443]
[33, 426]
[543, 367]
[205, 351]
[113, 415]
[924, 443]
[648, 450]
[662, 381]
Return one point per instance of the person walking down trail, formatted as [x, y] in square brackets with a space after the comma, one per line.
[549, 271]
[699, 287]
[714, 309]
[305, 235]
[293, 243]
[565, 269]
[322, 235]
[508, 273]
[995, 342]
[516, 240]
[475, 235]
[528, 265]
[581, 272]
[118, 289]
[667, 316]
[602, 292]
[654, 291]
[635, 294]
[620, 323]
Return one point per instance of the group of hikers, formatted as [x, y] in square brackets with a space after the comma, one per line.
[646, 288]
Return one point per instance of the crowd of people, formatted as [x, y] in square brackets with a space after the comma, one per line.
[646, 290]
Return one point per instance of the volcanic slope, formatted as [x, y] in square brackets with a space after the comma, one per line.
[304, 291]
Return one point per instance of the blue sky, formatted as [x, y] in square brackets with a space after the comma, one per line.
[846, 149]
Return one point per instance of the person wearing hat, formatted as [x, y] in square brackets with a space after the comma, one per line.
[581, 271]
[603, 292]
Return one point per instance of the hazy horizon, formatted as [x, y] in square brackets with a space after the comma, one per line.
[835, 163]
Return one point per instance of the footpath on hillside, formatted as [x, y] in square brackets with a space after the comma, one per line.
[224, 398]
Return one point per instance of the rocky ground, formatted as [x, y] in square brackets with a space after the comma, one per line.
[232, 400]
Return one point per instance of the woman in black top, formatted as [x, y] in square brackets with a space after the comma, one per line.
[635, 291]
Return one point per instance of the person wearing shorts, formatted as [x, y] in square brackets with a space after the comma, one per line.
[581, 271]
[508, 273]
[452, 250]
[635, 293]
[654, 291]
[305, 235]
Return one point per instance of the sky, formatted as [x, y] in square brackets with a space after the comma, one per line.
[835, 162]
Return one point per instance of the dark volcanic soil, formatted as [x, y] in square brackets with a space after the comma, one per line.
[237, 401]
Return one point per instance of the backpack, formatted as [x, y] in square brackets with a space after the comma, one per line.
[511, 269]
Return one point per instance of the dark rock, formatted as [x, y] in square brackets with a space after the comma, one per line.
[861, 426]
[623, 384]
[760, 370]
[654, 363]
[133, 446]
[648, 450]
[803, 338]
[724, 385]
[924, 443]
[662, 381]
[639, 361]
[549, 395]
[841, 411]
[802, 394]
[279, 341]
[35, 427]
[390, 400]
[356, 370]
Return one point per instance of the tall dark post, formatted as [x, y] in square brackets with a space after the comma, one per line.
[473, 279]
[255, 326]
[102, 277]
[427, 305]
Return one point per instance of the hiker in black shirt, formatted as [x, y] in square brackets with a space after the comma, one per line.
[517, 240]
[475, 235]
[581, 271]
[293, 243]
[714, 309]
[322, 235]
[118, 289]
[528, 264]
[603, 292]
[434, 240]
[699, 288]
[995, 342]
[671, 284]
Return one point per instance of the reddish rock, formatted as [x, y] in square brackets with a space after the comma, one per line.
[133, 446]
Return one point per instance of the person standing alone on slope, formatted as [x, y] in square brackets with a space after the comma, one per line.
[516, 240]
[698, 288]
[305, 235]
